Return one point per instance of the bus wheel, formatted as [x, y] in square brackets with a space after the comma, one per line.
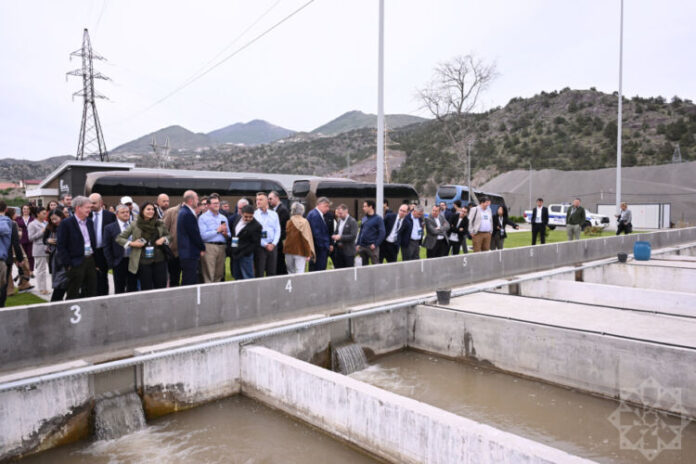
[552, 227]
[586, 224]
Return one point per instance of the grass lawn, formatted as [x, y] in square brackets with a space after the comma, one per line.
[22, 299]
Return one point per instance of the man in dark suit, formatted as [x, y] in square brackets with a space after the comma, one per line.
[344, 239]
[436, 242]
[189, 241]
[459, 231]
[540, 219]
[100, 219]
[412, 234]
[320, 234]
[283, 218]
[75, 243]
[116, 256]
[393, 223]
[246, 236]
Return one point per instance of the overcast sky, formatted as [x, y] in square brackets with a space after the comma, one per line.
[317, 65]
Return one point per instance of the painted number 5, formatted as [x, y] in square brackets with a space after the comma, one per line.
[288, 286]
[464, 263]
[76, 317]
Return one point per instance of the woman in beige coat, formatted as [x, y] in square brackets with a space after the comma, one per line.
[299, 244]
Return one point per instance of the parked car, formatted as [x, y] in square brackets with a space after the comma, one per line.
[557, 217]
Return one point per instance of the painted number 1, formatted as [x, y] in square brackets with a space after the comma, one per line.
[76, 317]
[288, 286]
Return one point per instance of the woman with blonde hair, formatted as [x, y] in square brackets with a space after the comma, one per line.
[299, 244]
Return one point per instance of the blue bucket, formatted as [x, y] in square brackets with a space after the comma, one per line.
[641, 251]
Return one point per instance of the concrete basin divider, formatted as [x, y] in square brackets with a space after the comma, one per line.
[391, 426]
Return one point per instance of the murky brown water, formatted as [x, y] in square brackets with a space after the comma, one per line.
[562, 418]
[235, 430]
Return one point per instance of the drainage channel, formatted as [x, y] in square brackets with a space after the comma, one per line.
[581, 424]
[234, 430]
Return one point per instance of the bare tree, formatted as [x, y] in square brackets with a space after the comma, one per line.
[453, 93]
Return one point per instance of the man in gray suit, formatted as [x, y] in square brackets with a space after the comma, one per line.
[436, 242]
[344, 240]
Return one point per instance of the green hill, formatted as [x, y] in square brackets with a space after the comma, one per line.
[358, 120]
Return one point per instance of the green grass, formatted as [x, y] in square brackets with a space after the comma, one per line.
[23, 299]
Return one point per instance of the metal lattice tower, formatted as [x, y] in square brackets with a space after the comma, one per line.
[91, 140]
[676, 156]
[161, 153]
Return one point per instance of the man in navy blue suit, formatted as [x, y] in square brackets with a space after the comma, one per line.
[75, 246]
[100, 219]
[189, 240]
[116, 256]
[320, 234]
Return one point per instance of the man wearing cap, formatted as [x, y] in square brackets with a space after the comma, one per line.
[128, 201]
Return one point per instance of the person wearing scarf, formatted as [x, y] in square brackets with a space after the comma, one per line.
[144, 239]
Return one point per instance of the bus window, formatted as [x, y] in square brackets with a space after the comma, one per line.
[300, 188]
[447, 192]
[556, 208]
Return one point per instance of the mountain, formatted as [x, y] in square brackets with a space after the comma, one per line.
[253, 132]
[566, 130]
[357, 120]
[179, 139]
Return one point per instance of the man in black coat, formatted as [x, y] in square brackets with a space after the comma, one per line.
[75, 243]
[540, 219]
[459, 231]
[246, 235]
[117, 256]
[100, 219]
[393, 225]
[283, 218]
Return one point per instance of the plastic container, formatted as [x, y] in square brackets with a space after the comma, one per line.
[641, 251]
[443, 296]
[622, 257]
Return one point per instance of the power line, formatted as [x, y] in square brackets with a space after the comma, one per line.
[228, 57]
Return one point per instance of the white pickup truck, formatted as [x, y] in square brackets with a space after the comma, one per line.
[557, 217]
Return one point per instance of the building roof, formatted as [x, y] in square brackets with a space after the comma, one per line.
[88, 164]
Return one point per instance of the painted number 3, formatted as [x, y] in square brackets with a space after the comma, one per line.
[288, 286]
[76, 317]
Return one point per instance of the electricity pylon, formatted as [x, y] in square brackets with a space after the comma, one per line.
[91, 140]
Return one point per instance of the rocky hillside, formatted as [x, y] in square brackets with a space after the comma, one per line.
[254, 132]
[567, 130]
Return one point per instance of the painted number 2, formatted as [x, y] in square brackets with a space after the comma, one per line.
[288, 286]
[76, 317]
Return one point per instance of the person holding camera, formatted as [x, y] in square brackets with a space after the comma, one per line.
[145, 238]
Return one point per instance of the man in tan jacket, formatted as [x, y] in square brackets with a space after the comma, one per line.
[170, 218]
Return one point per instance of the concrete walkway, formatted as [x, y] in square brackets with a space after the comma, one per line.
[648, 327]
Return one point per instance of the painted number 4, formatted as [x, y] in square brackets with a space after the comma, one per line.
[288, 286]
[76, 317]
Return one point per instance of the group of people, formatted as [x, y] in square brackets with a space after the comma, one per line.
[78, 241]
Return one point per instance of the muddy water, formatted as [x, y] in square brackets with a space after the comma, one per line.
[235, 430]
[562, 418]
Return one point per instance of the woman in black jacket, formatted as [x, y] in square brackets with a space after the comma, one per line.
[500, 221]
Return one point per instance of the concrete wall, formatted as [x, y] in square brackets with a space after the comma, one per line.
[45, 416]
[638, 276]
[609, 295]
[393, 427]
[594, 363]
[54, 331]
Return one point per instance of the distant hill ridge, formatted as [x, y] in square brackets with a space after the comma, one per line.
[357, 120]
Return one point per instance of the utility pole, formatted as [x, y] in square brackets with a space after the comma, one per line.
[91, 141]
[619, 122]
[380, 114]
[161, 153]
[530, 185]
[468, 170]
[676, 156]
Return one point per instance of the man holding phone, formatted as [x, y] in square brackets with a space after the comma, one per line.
[215, 231]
